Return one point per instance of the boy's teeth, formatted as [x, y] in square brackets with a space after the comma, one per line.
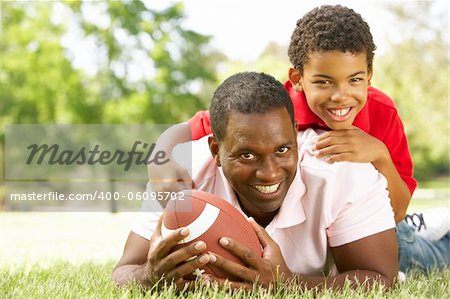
[267, 189]
[340, 112]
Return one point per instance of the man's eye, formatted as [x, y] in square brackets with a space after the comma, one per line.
[247, 156]
[283, 150]
[322, 82]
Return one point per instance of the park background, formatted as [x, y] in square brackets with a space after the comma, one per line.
[158, 62]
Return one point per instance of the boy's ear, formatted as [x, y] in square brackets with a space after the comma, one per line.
[369, 76]
[214, 149]
[296, 79]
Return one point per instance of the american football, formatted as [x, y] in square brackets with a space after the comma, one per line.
[209, 218]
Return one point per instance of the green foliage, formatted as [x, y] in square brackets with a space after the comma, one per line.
[37, 81]
[175, 62]
[414, 72]
[273, 60]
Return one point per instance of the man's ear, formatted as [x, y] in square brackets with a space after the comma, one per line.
[296, 79]
[214, 149]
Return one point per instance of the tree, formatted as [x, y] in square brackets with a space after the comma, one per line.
[177, 61]
[37, 81]
[414, 72]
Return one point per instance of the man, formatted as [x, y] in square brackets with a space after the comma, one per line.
[318, 218]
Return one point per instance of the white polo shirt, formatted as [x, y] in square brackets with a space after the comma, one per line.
[327, 205]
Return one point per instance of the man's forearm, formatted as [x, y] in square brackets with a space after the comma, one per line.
[127, 274]
[355, 278]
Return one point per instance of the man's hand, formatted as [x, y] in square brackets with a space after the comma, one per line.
[164, 265]
[262, 270]
[352, 145]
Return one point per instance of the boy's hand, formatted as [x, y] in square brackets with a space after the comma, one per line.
[352, 145]
[262, 270]
[169, 177]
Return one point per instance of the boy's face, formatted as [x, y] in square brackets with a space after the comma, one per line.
[259, 158]
[335, 84]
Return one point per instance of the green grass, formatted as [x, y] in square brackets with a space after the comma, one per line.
[90, 280]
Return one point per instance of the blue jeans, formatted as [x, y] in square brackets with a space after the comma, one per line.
[419, 254]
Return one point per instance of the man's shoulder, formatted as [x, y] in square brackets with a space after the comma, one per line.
[340, 177]
[196, 158]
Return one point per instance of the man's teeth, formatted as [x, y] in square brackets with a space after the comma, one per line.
[267, 189]
[340, 112]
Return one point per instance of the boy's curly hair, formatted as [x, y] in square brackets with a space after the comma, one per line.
[329, 28]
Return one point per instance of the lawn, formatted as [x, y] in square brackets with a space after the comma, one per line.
[71, 255]
[92, 280]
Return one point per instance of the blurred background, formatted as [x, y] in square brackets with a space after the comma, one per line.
[158, 62]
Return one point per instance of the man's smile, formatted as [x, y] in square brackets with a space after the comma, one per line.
[267, 189]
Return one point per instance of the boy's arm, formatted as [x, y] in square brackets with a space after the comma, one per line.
[354, 145]
[398, 190]
[170, 176]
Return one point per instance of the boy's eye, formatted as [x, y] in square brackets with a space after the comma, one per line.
[247, 156]
[282, 150]
[356, 80]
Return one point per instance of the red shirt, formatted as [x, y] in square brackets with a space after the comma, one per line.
[378, 118]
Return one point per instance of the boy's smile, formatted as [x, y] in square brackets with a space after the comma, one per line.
[335, 84]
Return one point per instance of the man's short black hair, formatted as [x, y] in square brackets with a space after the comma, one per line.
[246, 92]
[330, 28]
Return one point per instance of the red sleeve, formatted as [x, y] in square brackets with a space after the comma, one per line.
[397, 144]
[200, 125]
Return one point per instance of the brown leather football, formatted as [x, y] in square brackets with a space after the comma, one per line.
[209, 218]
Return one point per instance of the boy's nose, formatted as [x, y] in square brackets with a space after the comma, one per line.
[340, 94]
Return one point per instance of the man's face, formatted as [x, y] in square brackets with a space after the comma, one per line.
[335, 84]
[259, 158]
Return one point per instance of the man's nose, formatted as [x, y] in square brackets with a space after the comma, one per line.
[268, 170]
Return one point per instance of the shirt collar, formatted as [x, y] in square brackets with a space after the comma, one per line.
[291, 211]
